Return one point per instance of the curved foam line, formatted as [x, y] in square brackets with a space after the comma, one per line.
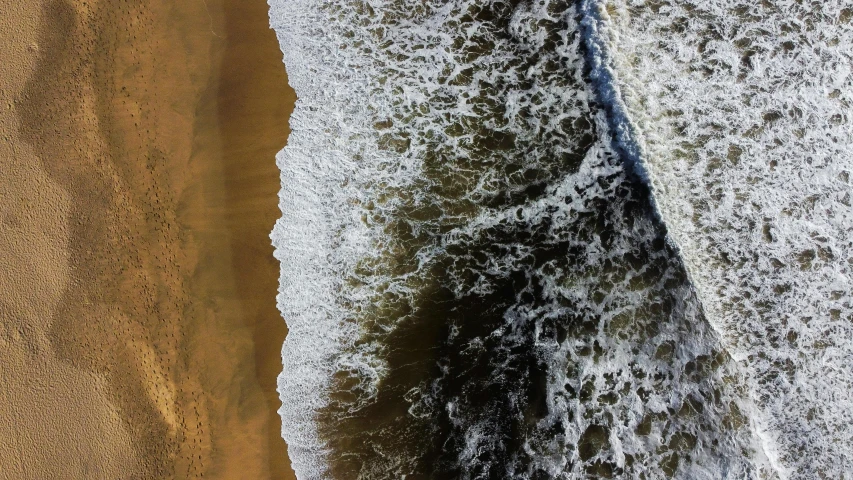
[593, 30]
[627, 143]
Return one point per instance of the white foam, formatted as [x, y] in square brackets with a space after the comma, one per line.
[344, 180]
[312, 166]
[744, 109]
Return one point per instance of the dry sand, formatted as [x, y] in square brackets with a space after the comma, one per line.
[138, 333]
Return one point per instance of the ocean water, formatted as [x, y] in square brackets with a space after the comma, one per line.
[567, 239]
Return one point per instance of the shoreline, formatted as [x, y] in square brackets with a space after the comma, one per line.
[253, 189]
[162, 131]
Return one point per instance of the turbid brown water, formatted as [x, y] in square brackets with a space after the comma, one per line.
[140, 331]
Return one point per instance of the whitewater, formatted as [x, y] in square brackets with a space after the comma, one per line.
[567, 239]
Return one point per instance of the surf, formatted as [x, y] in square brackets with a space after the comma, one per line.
[486, 271]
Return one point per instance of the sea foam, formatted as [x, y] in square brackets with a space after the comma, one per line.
[744, 109]
[477, 279]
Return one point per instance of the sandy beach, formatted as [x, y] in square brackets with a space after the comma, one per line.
[138, 326]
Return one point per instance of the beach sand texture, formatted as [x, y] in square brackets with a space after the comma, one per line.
[138, 330]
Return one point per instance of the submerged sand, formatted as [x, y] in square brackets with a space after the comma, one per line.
[139, 333]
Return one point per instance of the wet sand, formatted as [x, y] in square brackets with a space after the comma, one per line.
[139, 332]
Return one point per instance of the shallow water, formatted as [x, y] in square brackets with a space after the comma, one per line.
[476, 269]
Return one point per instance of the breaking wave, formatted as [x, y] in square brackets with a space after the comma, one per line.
[745, 108]
[479, 283]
